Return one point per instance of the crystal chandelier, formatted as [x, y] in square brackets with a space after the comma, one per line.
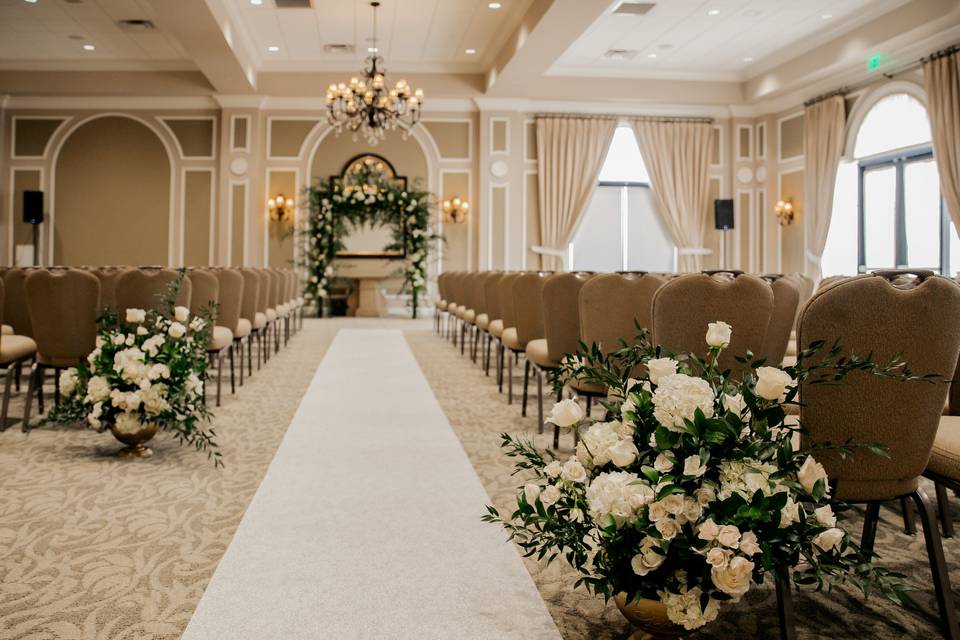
[369, 105]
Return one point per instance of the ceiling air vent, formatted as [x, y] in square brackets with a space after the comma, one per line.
[634, 8]
[136, 25]
[620, 54]
[292, 4]
[338, 48]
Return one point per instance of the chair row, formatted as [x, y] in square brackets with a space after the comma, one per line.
[52, 316]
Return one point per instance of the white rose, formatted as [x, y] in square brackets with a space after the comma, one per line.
[772, 383]
[733, 579]
[176, 330]
[692, 510]
[663, 463]
[657, 512]
[718, 334]
[668, 528]
[574, 471]
[829, 539]
[181, 314]
[748, 543]
[98, 389]
[734, 404]
[142, 331]
[729, 536]
[708, 530]
[825, 516]
[705, 495]
[673, 503]
[136, 316]
[719, 557]
[811, 471]
[576, 515]
[790, 513]
[566, 413]
[549, 495]
[583, 455]
[649, 558]
[660, 368]
[693, 467]
[531, 492]
[623, 429]
[118, 339]
[553, 469]
[68, 381]
[624, 453]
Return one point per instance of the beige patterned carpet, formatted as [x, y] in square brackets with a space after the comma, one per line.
[479, 414]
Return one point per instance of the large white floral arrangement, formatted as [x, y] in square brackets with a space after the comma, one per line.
[690, 491]
[147, 367]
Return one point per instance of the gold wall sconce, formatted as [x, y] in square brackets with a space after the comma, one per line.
[784, 211]
[455, 210]
[280, 207]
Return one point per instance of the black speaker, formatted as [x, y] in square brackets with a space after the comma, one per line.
[723, 214]
[33, 207]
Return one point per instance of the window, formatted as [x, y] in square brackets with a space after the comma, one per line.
[621, 229]
[887, 209]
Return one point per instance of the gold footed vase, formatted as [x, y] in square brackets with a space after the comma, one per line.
[650, 619]
[135, 441]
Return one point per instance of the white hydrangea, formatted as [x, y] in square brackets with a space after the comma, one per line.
[98, 389]
[129, 363]
[745, 477]
[125, 400]
[599, 439]
[684, 608]
[127, 423]
[677, 398]
[68, 381]
[193, 384]
[154, 399]
[618, 494]
[152, 344]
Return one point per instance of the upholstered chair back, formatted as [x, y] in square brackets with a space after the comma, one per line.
[786, 297]
[263, 297]
[507, 306]
[442, 285]
[528, 305]
[869, 315]
[63, 307]
[805, 286]
[684, 306]
[276, 288]
[144, 288]
[108, 277]
[290, 283]
[230, 300]
[251, 294]
[954, 397]
[491, 295]
[15, 302]
[204, 289]
[480, 292]
[611, 305]
[561, 313]
[830, 281]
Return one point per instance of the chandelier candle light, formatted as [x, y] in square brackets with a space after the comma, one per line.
[369, 105]
[455, 210]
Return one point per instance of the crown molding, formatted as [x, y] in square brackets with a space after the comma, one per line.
[621, 108]
[97, 65]
[431, 105]
[152, 103]
[239, 101]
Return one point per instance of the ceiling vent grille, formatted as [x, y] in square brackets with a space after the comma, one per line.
[338, 48]
[634, 8]
[136, 25]
[292, 4]
[620, 54]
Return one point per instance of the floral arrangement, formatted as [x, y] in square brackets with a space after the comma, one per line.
[148, 368]
[369, 198]
[690, 490]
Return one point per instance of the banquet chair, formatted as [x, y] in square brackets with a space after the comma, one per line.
[63, 305]
[491, 296]
[108, 286]
[944, 464]
[561, 330]
[468, 313]
[261, 325]
[440, 303]
[14, 351]
[786, 296]
[230, 303]
[482, 321]
[508, 321]
[528, 316]
[684, 306]
[276, 295]
[204, 296]
[458, 305]
[15, 302]
[869, 315]
[144, 288]
[6, 329]
[248, 316]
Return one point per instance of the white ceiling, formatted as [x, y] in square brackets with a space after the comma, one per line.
[51, 30]
[414, 35]
[745, 37]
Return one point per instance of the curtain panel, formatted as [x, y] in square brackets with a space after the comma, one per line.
[570, 154]
[941, 78]
[677, 155]
[824, 135]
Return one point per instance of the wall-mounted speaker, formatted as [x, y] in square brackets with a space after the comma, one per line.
[33, 207]
[723, 214]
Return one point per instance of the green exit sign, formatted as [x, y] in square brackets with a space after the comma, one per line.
[874, 61]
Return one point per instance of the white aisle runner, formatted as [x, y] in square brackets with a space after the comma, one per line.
[367, 523]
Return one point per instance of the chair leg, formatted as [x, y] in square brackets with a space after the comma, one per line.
[56, 386]
[509, 377]
[938, 565]
[788, 628]
[7, 383]
[31, 388]
[41, 375]
[233, 377]
[540, 400]
[500, 356]
[17, 379]
[250, 356]
[943, 508]
[589, 405]
[909, 522]
[487, 344]
[526, 385]
[219, 375]
[870, 521]
[239, 346]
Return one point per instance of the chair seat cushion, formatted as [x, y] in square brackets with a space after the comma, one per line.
[482, 321]
[7, 330]
[16, 348]
[945, 456]
[510, 340]
[271, 314]
[469, 316]
[538, 354]
[495, 328]
[221, 339]
[259, 320]
[244, 327]
[588, 388]
[452, 307]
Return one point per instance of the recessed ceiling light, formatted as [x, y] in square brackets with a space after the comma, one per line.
[826, 16]
[88, 47]
[748, 59]
[494, 5]
[651, 55]
[273, 48]
[470, 52]
[713, 12]
[373, 49]
[256, 3]
[30, 1]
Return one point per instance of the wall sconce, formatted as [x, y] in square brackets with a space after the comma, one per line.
[784, 211]
[455, 210]
[280, 207]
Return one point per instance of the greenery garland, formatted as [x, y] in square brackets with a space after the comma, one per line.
[372, 200]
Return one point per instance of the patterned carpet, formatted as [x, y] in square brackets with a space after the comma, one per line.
[479, 414]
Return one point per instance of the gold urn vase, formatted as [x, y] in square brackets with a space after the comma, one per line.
[650, 619]
[135, 440]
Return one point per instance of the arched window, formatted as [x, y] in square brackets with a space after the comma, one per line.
[621, 229]
[887, 209]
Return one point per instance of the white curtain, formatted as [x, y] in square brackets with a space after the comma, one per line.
[941, 78]
[570, 154]
[677, 155]
[823, 140]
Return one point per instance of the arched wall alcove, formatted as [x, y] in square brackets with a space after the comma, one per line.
[112, 194]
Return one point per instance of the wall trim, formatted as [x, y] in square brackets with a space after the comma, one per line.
[46, 148]
[869, 100]
[233, 133]
[526, 217]
[12, 207]
[296, 212]
[213, 140]
[147, 103]
[183, 212]
[442, 157]
[780, 121]
[506, 136]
